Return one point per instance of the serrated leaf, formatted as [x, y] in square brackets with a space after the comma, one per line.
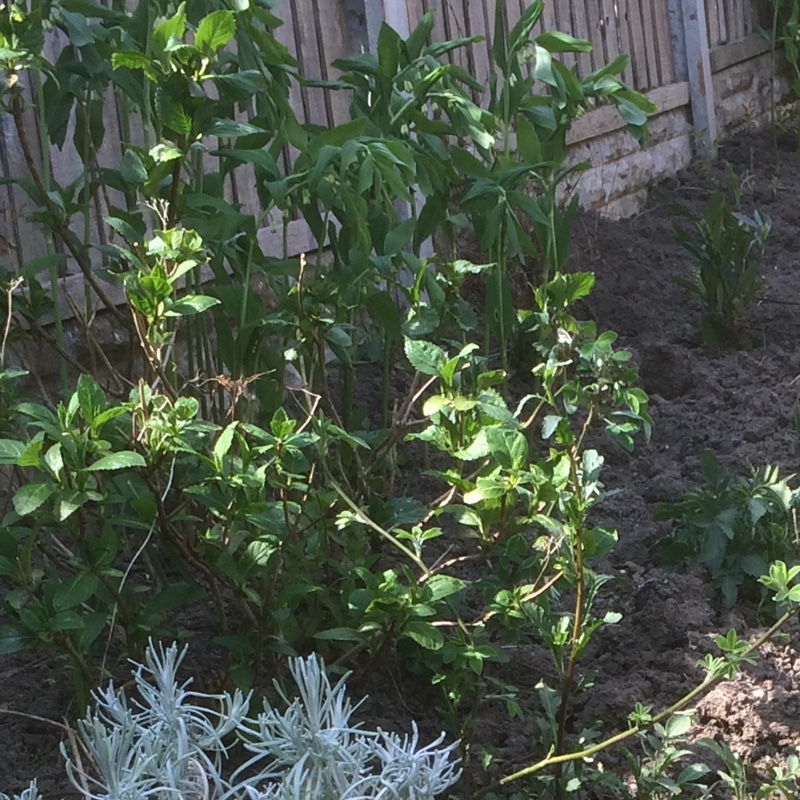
[215, 31]
[425, 357]
[30, 496]
[121, 460]
[509, 447]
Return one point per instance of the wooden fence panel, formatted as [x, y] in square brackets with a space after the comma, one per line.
[564, 23]
[731, 21]
[480, 52]
[663, 37]
[715, 33]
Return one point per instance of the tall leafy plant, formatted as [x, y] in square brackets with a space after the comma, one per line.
[513, 193]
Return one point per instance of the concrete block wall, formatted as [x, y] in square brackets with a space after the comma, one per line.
[742, 94]
[617, 184]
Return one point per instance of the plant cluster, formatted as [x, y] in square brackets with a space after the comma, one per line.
[728, 248]
[734, 527]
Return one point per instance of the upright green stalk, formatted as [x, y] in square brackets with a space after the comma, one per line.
[86, 157]
[44, 145]
[146, 105]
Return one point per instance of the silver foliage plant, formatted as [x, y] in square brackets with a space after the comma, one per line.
[173, 744]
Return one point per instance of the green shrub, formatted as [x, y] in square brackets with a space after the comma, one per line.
[733, 527]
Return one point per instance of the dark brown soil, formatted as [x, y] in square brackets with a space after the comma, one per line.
[737, 403]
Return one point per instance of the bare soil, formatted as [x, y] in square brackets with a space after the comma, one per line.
[737, 403]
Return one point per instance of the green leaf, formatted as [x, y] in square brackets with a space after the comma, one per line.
[679, 725]
[631, 113]
[172, 113]
[384, 313]
[37, 266]
[509, 447]
[223, 444]
[260, 159]
[424, 634]
[230, 128]
[191, 304]
[419, 36]
[425, 357]
[134, 60]
[121, 460]
[10, 451]
[557, 42]
[171, 28]
[67, 621]
[441, 586]
[549, 425]
[421, 322]
[215, 31]
[399, 237]
[339, 635]
[30, 496]
[133, 170]
[69, 503]
[173, 597]
[73, 592]
[13, 639]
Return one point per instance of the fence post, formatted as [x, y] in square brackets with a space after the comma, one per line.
[395, 13]
[371, 14]
[693, 63]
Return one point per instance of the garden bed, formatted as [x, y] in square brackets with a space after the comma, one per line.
[738, 404]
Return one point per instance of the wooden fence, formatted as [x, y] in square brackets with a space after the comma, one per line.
[731, 21]
[640, 28]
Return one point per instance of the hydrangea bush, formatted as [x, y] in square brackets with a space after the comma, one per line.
[170, 742]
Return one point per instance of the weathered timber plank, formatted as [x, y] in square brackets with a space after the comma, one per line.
[639, 63]
[308, 56]
[479, 56]
[564, 23]
[730, 54]
[624, 38]
[651, 48]
[582, 29]
[663, 37]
